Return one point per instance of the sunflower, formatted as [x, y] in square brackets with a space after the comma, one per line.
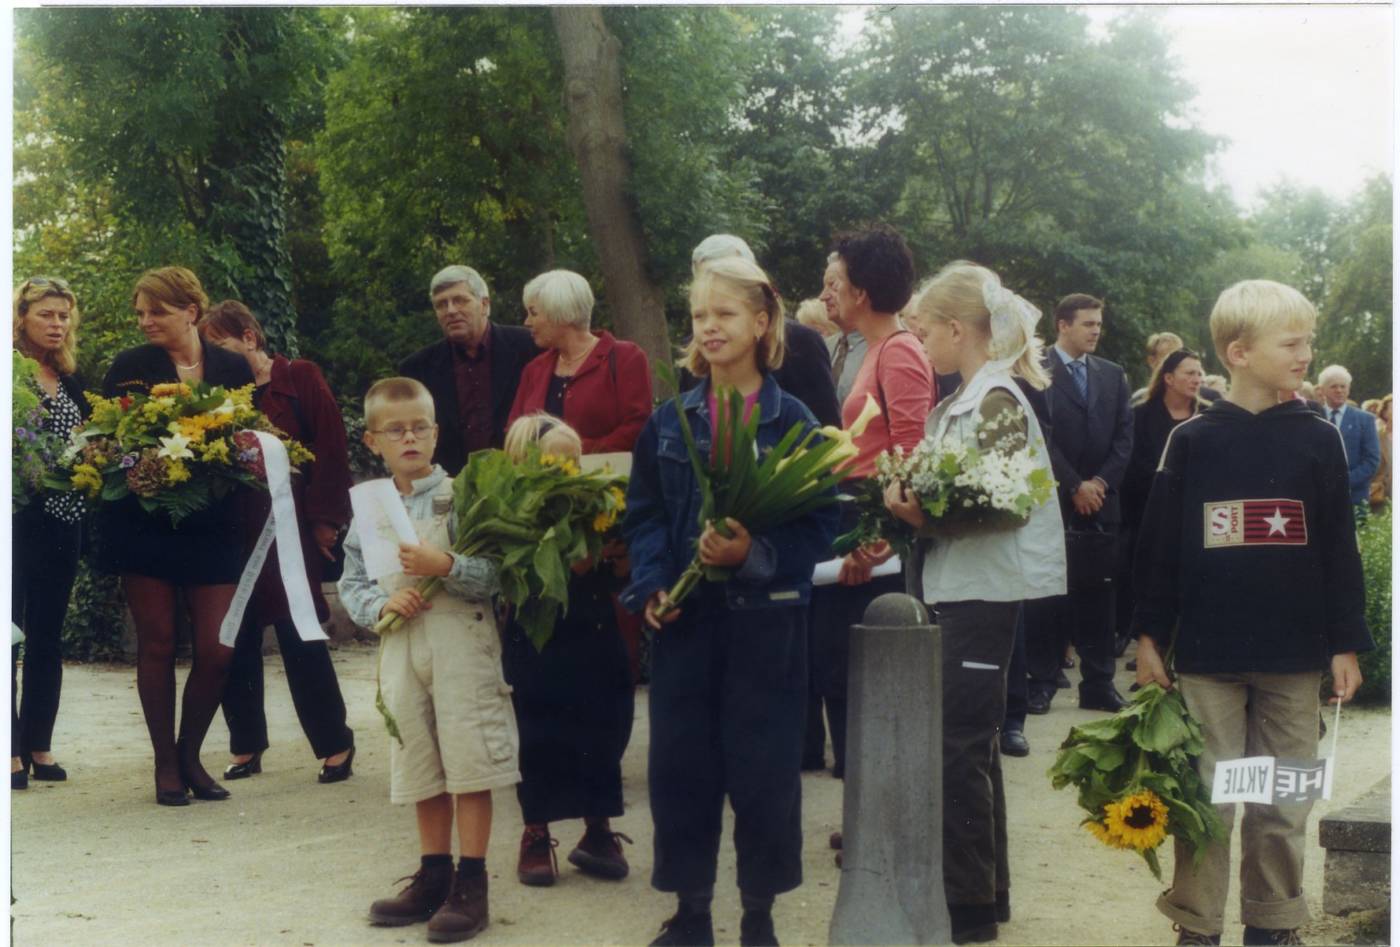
[1139, 820]
[1099, 831]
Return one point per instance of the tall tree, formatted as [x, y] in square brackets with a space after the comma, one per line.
[182, 114]
[598, 139]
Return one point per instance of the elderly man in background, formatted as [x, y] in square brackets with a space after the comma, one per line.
[1359, 435]
[804, 373]
[472, 373]
[848, 348]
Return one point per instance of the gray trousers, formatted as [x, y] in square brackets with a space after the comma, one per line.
[977, 641]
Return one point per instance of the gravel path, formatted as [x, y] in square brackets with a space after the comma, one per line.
[287, 861]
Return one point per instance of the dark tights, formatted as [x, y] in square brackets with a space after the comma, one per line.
[152, 603]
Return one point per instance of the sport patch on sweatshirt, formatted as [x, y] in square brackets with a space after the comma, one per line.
[1255, 523]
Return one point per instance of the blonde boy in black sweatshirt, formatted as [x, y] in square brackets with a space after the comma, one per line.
[1248, 558]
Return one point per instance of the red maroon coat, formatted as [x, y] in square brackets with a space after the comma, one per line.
[608, 400]
[299, 402]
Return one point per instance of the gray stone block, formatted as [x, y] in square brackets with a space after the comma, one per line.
[1356, 872]
[892, 854]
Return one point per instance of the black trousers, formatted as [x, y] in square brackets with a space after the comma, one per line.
[43, 565]
[311, 678]
[1017, 684]
[1084, 617]
[728, 700]
[977, 643]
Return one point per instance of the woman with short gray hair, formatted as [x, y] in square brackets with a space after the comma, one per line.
[573, 699]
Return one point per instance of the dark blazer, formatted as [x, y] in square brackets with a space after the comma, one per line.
[138, 368]
[512, 348]
[1093, 437]
[805, 373]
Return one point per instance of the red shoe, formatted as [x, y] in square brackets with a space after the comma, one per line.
[599, 853]
[538, 866]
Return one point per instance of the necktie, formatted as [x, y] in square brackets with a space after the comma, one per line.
[838, 360]
[1337, 416]
[1081, 381]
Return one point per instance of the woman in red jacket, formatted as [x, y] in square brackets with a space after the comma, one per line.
[598, 385]
[294, 396]
[574, 699]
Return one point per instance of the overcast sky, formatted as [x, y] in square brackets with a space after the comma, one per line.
[1304, 92]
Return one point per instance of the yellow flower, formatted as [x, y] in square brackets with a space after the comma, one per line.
[214, 452]
[1100, 832]
[1139, 820]
[565, 464]
[619, 498]
[604, 521]
[176, 472]
[847, 438]
[86, 478]
[298, 453]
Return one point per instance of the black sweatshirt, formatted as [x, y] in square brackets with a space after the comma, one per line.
[1248, 545]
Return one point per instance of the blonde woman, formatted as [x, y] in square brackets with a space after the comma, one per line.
[46, 330]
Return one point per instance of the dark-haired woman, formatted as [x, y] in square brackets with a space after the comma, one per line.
[295, 397]
[203, 556]
[44, 535]
[1173, 396]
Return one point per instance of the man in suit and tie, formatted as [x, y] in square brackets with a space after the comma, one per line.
[1093, 438]
[472, 373]
[1359, 435]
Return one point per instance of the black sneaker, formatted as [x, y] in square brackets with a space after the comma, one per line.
[1270, 935]
[756, 930]
[1184, 935]
[686, 929]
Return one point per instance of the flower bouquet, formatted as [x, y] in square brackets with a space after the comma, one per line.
[177, 449]
[960, 488]
[794, 477]
[1136, 777]
[34, 450]
[534, 518]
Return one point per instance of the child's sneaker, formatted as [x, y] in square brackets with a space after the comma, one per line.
[1184, 935]
[1271, 935]
[686, 929]
[426, 892]
[464, 914]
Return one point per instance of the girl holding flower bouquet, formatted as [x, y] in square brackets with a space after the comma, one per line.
[45, 533]
[978, 568]
[729, 671]
[203, 556]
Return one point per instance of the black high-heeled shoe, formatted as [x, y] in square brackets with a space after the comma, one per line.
[172, 797]
[50, 772]
[339, 772]
[19, 779]
[209, 792]
[245, 769]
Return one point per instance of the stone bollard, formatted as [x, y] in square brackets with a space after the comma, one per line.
[892, 820]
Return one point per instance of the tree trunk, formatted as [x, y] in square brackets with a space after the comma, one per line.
[598, 137]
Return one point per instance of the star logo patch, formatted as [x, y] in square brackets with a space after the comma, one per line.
[1255, 523]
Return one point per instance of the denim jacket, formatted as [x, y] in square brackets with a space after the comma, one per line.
[663, 510]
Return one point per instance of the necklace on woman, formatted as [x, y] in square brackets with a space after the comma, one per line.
[577, 359]
[188, 368]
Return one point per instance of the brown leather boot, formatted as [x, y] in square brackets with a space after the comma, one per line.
[599, 853]
[463, 915]
[426, 892]
[538, 865]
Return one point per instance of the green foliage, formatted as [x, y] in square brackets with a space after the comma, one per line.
[96, 617]
[1151, 744]
[1375, 563]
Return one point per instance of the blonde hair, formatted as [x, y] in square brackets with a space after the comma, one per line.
[174, 287]
[36, 289]
[388, 391]
[1158, 340]
[1253, 306]
[563, 298]
[957, 293]
[545, 431]
[753, 288]
[812, 313]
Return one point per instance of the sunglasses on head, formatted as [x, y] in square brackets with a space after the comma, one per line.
[42, 282]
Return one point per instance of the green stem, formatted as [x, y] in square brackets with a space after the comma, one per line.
[684, 586]
[427, 588]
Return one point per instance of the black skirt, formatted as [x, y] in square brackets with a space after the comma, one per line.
[205, 549]
[574, 706]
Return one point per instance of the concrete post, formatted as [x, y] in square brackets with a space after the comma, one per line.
[892, 821]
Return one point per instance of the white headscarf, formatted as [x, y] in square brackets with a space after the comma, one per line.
[1013, 324]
